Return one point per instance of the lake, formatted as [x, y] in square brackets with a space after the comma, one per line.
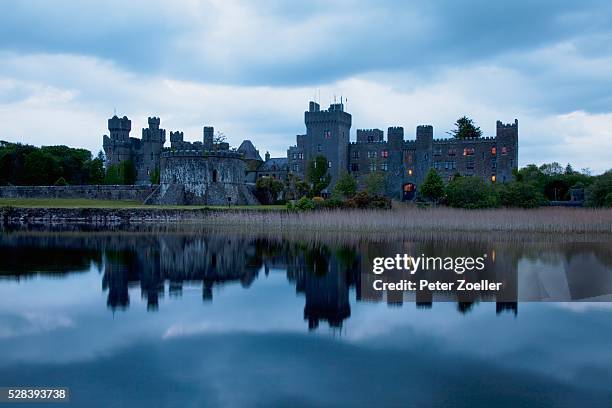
[225, 318]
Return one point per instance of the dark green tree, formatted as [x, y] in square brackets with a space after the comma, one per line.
[599, 194]
[375, 183]
[267, 189]
[464, 128]
[520, 194]
[470, 192]
[346, 186]
[432, 188]
[317, 175]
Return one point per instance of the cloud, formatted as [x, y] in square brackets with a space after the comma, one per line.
[249, 69]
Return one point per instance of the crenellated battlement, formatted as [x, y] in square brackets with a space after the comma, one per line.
[501, 125]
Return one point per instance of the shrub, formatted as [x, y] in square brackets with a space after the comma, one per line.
[432, 188]
[60, 182]
[305, 204]
[470, 192]
[522, 195]
[333, 203]
[380, 202]
[361, 199]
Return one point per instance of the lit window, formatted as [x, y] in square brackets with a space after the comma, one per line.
[410, 172]
[493, 178]
[494, 151]
[468, 151]
[384, 153]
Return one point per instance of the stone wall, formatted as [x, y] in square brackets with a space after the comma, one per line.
[202, 178]
[94, 192]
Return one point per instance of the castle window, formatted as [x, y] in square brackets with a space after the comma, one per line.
[371, 155]
[493, 178]
[301, 156]
[329, 164]
[494, 151]
[409, 158]
[296, 167]
[436, 165]
[214, 176]
[468, 151]
[437, 151]
[327, 134]
[354, 166]
[451, 152]
[504, 151]
[410, 172]
[294, 156]
[470, 165]
[383, 167]
[356, 154]
[319, 148]
[384, 153]
[372, 166]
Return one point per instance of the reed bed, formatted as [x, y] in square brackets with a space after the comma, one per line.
[415, 220]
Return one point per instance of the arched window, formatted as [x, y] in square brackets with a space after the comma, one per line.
[214, 178]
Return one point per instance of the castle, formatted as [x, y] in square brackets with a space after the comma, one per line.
[404, 163]
[210, 172]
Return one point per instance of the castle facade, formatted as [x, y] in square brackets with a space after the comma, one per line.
[404, 163]
[209, 172]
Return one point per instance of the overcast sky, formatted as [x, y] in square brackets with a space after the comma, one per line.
[249, 69]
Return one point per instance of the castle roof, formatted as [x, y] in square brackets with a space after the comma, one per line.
[249, 151]
[275, 164]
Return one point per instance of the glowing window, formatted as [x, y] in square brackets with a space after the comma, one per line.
[384, 153]
[493, 150]
[410, 172]
[468, 151]
[493, 179]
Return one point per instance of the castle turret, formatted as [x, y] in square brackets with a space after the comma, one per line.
[395, 137]
[267, 156]
[327, 134]
[119, 128]
[208, 137]
[507, 149]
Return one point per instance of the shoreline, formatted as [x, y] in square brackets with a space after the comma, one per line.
[395, 221]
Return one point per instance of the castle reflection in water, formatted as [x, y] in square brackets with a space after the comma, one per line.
[324, 273]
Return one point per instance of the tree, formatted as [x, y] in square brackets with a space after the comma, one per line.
[520, 194]
[123, 173]
[346, 186]
[465, 128]
[317, 175]
[96, 169]
[375, 183]
[569, 169]
[155, 176]
[295, 187]
[432, 188]
[551, 169]
[600, 192]
[267, 189]
[219, 137]
[470, 192]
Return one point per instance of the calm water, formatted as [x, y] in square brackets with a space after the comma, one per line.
[208, 319]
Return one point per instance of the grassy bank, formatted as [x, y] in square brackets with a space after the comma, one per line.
[87, 203]
[275, 219]
[410, 219]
